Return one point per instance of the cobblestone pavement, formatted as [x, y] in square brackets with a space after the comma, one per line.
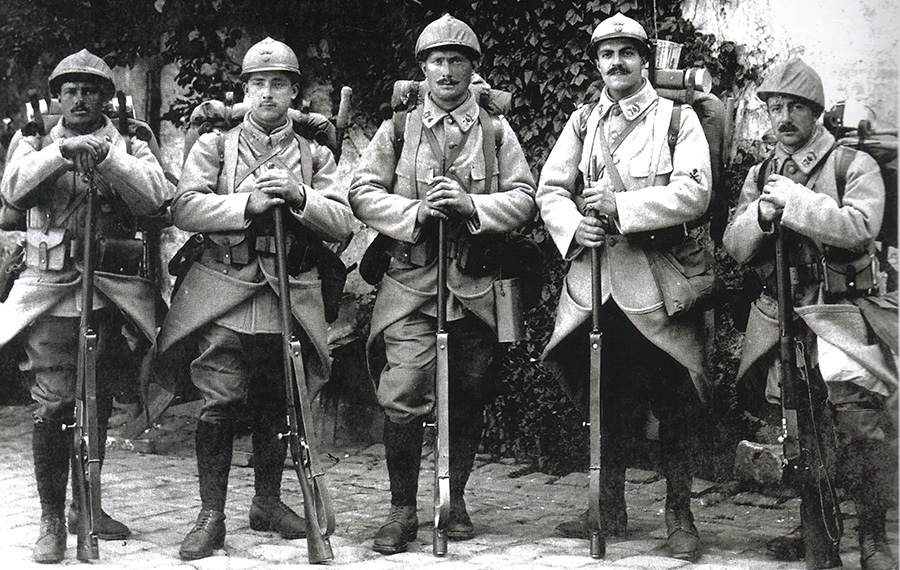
[514, 513]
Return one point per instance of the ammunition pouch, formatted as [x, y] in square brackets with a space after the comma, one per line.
[848, 274]
[376, 260]
[480, 255]
[303, 253]
[50, 250]
[120, 256]
[662, 238]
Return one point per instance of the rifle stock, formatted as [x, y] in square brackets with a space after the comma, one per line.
[597, 538]
[86, 444]
[442, 404]
[820, 515]
[316, 501]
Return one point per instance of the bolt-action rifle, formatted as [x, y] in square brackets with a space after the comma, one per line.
[86, 430]
[803, 446]
[595, 419]
[442, 404]
[304, 454]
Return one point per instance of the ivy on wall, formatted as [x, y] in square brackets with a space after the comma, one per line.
[534, 48]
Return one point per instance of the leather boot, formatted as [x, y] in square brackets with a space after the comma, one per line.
[108, 528]
[51, 448]
[50, 547]
[867, 470]
[401, 527]
[214, 451]
[403, 451]
[207, 535]
[683, 540]
[270, 513]
[874, 549]
[462, 458]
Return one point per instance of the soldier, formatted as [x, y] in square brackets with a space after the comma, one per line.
[449, 129]
[644, 195]
[48, 176]
[228, 302]
[798, 189]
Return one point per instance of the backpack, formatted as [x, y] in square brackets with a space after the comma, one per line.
[219, 116]
[711, 112]
[408, 96]
[42, 115]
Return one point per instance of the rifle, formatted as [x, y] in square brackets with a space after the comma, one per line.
[86, 431]
[819, 511]
[442, 404]
[304, 456]
[598, 540]
[342, 120]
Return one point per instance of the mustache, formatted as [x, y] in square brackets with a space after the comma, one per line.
[787, 128]
[617, 69]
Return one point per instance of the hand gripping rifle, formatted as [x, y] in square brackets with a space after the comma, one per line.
[86, 430]
[316, 501]
[818, 502]
[595, 418]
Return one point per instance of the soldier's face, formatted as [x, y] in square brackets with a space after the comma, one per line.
[449, 73]
[270, 94]
[793, 120]
[81, 103]
[620, 63]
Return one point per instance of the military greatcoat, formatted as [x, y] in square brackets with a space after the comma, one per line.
[661, 190]
[242, 297]
[39, 179]
[818, 217]
[386, 192]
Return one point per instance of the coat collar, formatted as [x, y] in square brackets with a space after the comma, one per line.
[631, 106]
[258, 137]
[61, 131]
[465, 115]
[810, 154]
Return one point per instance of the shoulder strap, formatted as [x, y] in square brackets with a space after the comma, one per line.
[490, 135]
[762, 173]
[228, 153]
[845, 156]
[399, 121]
[306, 163]
[674, 128]
[583, 128]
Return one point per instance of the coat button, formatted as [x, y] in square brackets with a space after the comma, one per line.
[611, 241]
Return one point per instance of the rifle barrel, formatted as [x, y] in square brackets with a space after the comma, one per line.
[86, 447]
[316, 503]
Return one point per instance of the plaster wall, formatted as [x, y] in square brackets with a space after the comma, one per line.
[853, 44]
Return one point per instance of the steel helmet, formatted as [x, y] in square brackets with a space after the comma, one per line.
[447, 31]
[81, 63]
[793, 78]
[619, 26]
[270, 55]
